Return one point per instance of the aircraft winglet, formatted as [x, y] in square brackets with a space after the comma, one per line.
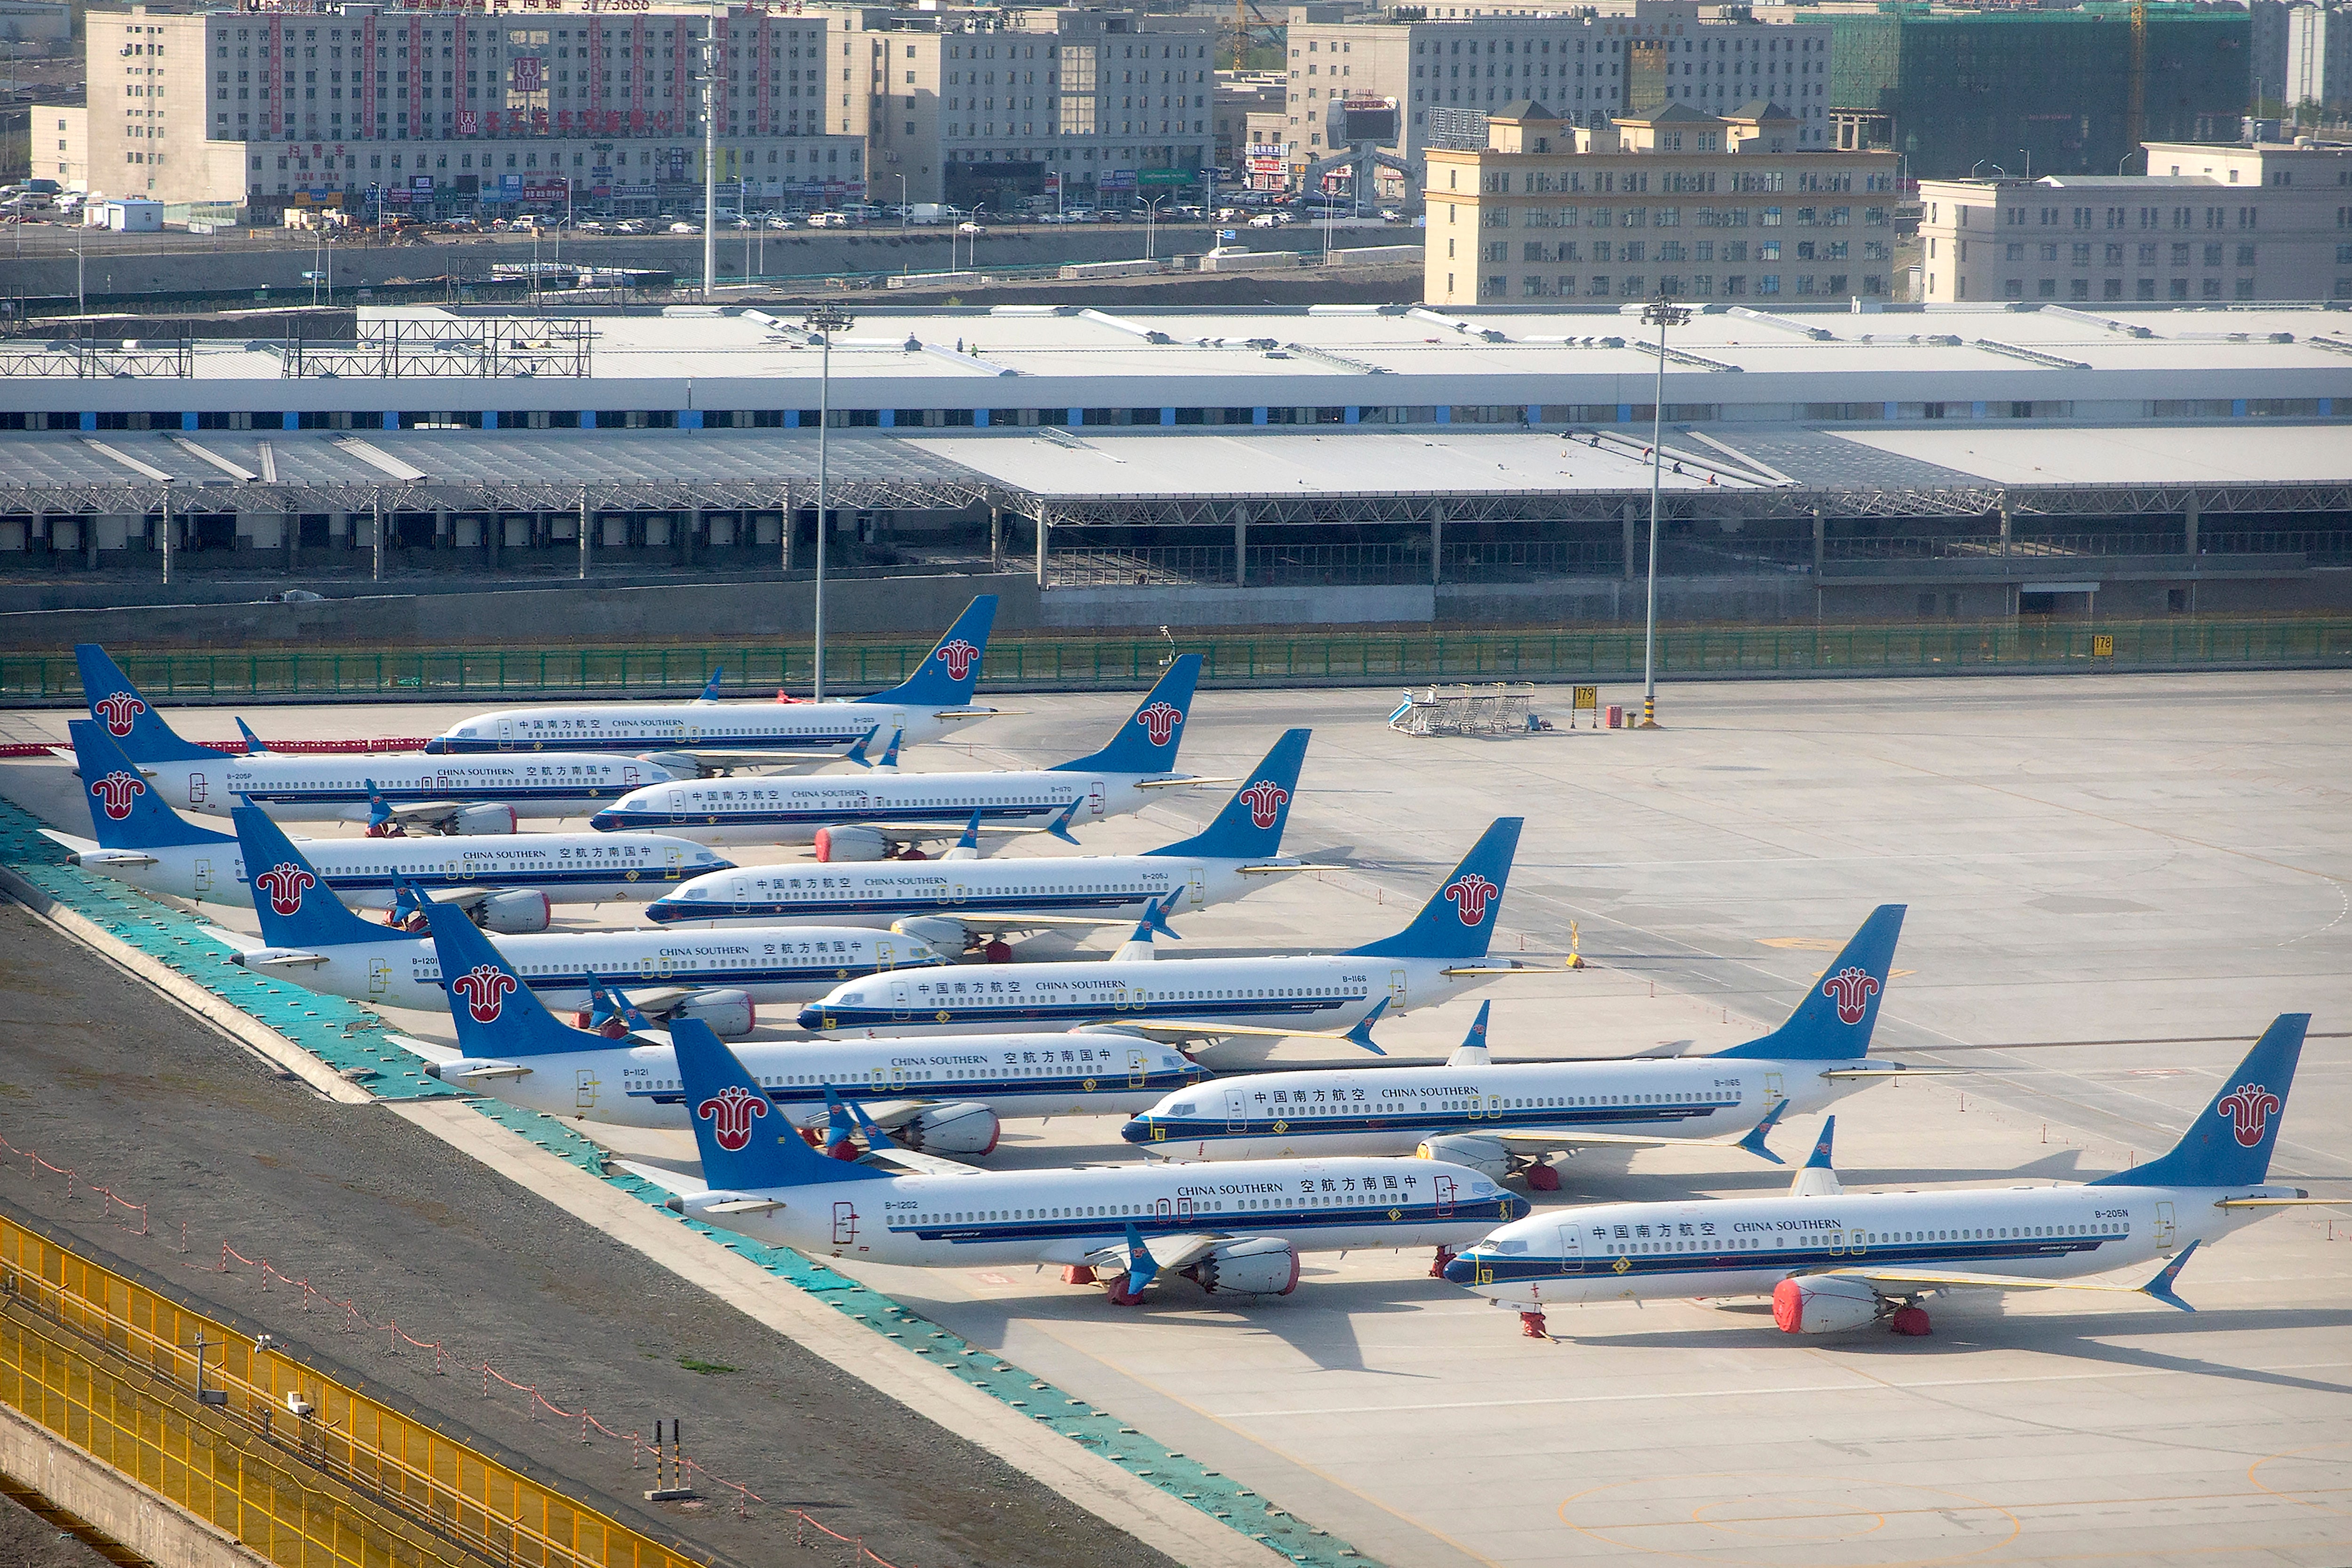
[1060, 826]
[1140, 1269]
[2161, 1285]
[1754, 1142]
[1361, 1035]
[856, 753]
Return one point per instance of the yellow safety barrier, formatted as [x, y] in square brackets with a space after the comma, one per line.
[302, 1470]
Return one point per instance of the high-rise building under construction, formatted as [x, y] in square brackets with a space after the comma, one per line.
[1952, 89]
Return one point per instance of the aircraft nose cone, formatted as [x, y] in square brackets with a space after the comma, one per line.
[661, 911]
[1136, 1131]
[1521, 1207]
[1463, 1270]
[812, 1016]
[606, 821]
[433, 747]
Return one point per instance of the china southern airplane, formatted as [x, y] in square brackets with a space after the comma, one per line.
[1443, 950]
[876, 816]
[932, 1096]
[505, 881]
[1832, 1260]
[455, 796]
[1504, 1118]
[962, 902]
[1238, 1230]
[308, 937]
[688, 739]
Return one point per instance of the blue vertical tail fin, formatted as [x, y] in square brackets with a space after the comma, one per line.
[1146, 743]
[1459, 920]
[498, 1016]
[2230, 1144]
[1250, 827]
[124, 813]
[948, 676]
[1834, 1021]
[129, 717]
[747, 1143]
[296, 908]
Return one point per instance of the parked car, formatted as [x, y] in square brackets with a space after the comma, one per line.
[685, 229]
[1270, 220]
[971, 228]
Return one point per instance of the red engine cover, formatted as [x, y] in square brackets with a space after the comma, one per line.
[1788, 1307]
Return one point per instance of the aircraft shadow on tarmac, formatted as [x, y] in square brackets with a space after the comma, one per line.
[1967, 1327]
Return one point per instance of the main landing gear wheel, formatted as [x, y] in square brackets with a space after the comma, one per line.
[1542, 1178]
[1911, 1321]
[1531, 1324]
[1437, 1265]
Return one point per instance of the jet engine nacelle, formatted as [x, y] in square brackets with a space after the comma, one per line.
[1824, 1304]
[729, 1014]
[1266, 1265]
[962, 1127]
[474, 820]
[515, 912]
[677, 764]
[1488, 1156]
[851, 844]
[942, 932]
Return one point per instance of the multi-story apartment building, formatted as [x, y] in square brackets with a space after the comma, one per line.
[993, 107]
[1588, 63]
[1242, 99]
[2209, 221]
[1711, 206]
[455, 109]
[2318, 74]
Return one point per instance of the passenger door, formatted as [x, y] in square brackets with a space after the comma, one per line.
[2164, 1225]
[845, 1225]
[585, 1089]
[1236, 1109]
[898, 1003]
[204, 869]
[1197, 881]
[1443, 1194]
[1572, 1249]
[1136, 1070]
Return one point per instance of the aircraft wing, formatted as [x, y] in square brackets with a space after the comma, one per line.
[1752, 1140]
[426, 1048]
[722, 757]
[1274, 869]
[231, 939]
[426, 812]
[975, 712]
[907, 1162]
[1166, 1252]
[1507, 968]
[1910, 1281]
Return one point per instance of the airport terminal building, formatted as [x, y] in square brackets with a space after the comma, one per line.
[1370, 462]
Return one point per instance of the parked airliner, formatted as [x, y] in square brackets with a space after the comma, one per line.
[960, 901]
[506, 881]
[1504, 1118]
[1237, 1230]
[691, 738]
[936, 1096]
[449, 795]
[308, 937]
[1443, 952]
[877, 814]
[1832, 1260]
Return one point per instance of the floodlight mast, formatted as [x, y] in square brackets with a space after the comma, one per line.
[823, 322]
[1660, 313]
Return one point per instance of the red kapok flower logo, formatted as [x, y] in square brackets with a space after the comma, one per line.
[1471, 894]
[1160, 720]
[118, 712]
[730, 1114]
[1263, 799]
[484, 989]
[116, 791]
[1852, 990]
[958, 657]
[2249, 1107]
[285, 883]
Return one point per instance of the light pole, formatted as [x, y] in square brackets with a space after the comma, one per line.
[902, 211]
[1150, 224]
[825, 321]
[1660, 313]
[710, 151]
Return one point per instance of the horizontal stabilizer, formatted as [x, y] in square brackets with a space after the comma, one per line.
[1183, 782]
[665, 1178]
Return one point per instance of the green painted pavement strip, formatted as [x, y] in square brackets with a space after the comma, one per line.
[352, 1040]
[343, 1034]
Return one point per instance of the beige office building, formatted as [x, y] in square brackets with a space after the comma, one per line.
[994, 107]
[2207, 223]
[457, 109]
[1588, 63]
[1730, 206]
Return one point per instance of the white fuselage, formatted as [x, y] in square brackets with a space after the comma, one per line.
[335, 789]
[776, 810]
[568, 867]
[1070, 1074]
[1062, 1216]
[984, 895]
[637, 727]
[770, 964]
[1313, 993]
[1745, 1246]
[1389, 1110]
